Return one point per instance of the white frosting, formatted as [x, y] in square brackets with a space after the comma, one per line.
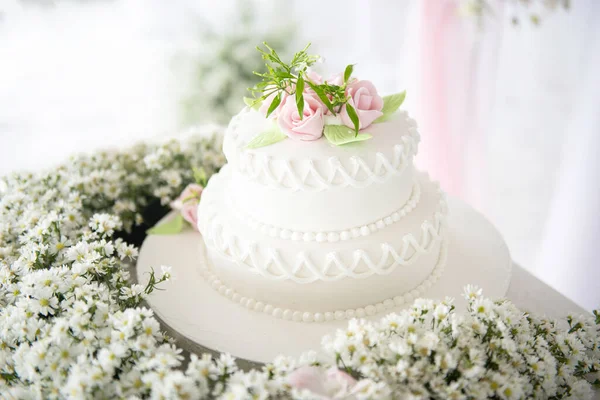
[336, 209]
[306, 228]
[335, 235]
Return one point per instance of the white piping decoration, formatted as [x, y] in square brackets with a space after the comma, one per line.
[334, 236]
[308, 316]
[321, 175]
[304, 270]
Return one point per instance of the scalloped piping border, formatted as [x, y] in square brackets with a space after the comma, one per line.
[266, 176]
[229, 248]
[308, 316]
[264, 170]
[335, 236]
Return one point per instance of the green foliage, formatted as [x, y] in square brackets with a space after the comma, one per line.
[321, 93]
[220, 73]
[274, 104]
[291, 79]
[282, 77]
[250, 103]
[200, 176]
[348, 72]
[353, 117]
[300, 95]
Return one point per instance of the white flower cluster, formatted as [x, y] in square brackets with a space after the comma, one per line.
[494, 350]
[72, 324]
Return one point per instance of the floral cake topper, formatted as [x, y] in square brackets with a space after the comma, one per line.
[304, 106]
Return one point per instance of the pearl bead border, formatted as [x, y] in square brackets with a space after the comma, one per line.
[338, 315]
[335, 236]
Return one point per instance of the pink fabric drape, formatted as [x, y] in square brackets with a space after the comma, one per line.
[455, 93]
[438, 35]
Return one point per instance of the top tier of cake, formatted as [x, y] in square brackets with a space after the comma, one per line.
[307, 187]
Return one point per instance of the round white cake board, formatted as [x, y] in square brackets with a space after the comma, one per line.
[476, 254]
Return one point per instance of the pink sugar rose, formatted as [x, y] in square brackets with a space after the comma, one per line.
[189, 212]
[340, 377]
[312, 76]
[187, 203]
[308, 378]
[330, 384]
[366, 101]
[336, 79]
[310, 127]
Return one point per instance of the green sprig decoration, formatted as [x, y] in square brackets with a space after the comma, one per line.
[291, 79]
[282, 77]
[334, 97]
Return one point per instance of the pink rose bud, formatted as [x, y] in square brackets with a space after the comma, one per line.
[308, 378]
[366, 101]
[189, 212]
[187, 203]
[310, 127]
[312, 76]
[316, 79]
[330, 384]
[336, 79]
[341, 377]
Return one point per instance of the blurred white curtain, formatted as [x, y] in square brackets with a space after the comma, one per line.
[523, 133]
[543, 149]
[568, 256]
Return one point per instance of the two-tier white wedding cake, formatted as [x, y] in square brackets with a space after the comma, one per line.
[319, 214]
[318, 217]
[312, 231]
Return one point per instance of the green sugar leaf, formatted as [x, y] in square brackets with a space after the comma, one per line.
[168, 227]
[252, 103]
[353, 117]
[300, 96]
[348, 72]
[274, 104]
[341, 134]
[391, 104]
[271, 136]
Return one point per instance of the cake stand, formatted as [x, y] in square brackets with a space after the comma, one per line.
[476, 254]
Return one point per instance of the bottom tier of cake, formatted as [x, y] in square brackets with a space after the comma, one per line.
[320, 281]
[198, 315]
[297, 314]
